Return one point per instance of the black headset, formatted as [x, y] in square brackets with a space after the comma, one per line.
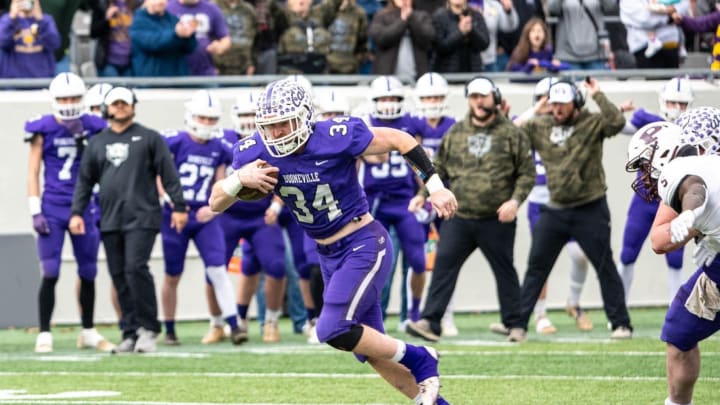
[578, 99]
[497, 96]
[104, 106]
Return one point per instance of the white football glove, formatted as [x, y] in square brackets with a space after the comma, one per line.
[705, 251]
[680, 226]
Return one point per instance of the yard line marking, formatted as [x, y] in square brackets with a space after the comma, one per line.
[140, 374]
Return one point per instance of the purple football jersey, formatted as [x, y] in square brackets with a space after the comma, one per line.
[431, 137]
[196, 164]
[210, 26]
[320, 183]
[243, 209]
[395, 178]
[61, 156]
[641, 118]
[540, 178]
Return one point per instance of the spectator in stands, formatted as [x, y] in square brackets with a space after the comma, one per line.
[460, 36]
[581, 39]
[160, 41]
[534, 51]
[706, 23]
[499, 16]
[242, 23]
[110, 26]
[403, 39]
[305, 42]
[348, 39]
[266, 37]
[507, 41]
[63, 12]
[211, 33]
[28, 38]
[640, 19]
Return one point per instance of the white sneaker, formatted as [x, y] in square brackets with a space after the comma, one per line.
[90, 338]
[449, 329]
[653, 46]
[146, 341]
[543, 326]
[621, 332]
[44, 343]
[312, 336]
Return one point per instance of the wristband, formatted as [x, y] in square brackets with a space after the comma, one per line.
[34, 205]
[420, 163]
[434, 184]
[276, 207]
[231, 185]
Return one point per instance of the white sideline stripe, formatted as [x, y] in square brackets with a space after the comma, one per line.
[332, 376]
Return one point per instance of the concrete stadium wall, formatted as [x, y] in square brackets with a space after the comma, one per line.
[163, 109]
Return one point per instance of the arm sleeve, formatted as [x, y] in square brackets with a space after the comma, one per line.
[613, 120]
[99, 26]
[384, 33]
[525, 168]
[479, 35]
[421, 28]
[165, 168]
[636, 14]
[88, 175]
[49, 35]
[7, 27]
[706, 23]
[448, 37]
[154, 38]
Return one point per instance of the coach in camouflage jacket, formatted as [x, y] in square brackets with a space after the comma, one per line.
[486, 161]
[570, 144]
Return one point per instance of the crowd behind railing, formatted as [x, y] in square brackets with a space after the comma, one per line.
[406, 38]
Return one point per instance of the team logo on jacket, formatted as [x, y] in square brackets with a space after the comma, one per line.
[479, 144]
[117, 153]
[560, 134]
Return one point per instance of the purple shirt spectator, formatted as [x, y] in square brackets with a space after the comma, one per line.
[706, 23]
[27, 46]
[210, 26]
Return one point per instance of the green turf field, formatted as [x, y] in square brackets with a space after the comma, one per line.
[476, 367]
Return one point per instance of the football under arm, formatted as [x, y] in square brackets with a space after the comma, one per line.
[691, 194]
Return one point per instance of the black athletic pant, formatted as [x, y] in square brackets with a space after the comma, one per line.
[459, 237]
[589, 225]
[128, 253]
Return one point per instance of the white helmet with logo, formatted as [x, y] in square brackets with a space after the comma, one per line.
[203, 104]
[387, 86]
[302, 81]
[67, 85]
[542, 88]
[332, 101]
[242, 114]
[431, 84]
[701, 128]
[285, 100]
[95, 96]
[650, 149]
[679, 90]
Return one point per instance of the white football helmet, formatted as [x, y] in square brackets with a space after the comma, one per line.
[387, 86]
[650, 149]
[542, 88]
[242, 114]
[95, 96]
[67, 85]
[303, 81]
[701, 128]
[677, 90]
[431, 85]
[285, 100]
[203, 104]
[332, 102]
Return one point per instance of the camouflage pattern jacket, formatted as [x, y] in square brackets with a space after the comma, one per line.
[485, 166]
[572, 154]
[242, 28]
[348, 40]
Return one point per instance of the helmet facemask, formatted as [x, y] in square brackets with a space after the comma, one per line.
[289, 143]
[244, 124]
[388, 110]
[431, 109]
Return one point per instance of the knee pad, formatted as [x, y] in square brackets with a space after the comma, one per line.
[347, 340]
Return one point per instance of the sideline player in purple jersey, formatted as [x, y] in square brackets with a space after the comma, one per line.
[431, 91]
[317, 178]
[390, 184]
[689, 190]
[56, 142]
[246, 220]
[675, 98]
[200, 158]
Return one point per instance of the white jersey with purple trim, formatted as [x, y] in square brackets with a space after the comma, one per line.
[707, 168]
[319, 183]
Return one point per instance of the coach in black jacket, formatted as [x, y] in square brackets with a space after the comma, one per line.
[460, 36]
[125, 160]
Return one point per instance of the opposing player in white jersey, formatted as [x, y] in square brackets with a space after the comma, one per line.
[689, 189]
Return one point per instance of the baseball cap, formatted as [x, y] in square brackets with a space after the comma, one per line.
[561, 92]
[120, 94]
[479, 85]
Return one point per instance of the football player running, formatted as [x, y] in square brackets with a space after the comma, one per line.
[317, 179]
